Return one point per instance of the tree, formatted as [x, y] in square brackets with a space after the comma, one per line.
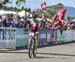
[20, 2]
[3, 4]
[29, 10]
[4, 1]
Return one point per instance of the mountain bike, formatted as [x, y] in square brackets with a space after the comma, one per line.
[32, 45]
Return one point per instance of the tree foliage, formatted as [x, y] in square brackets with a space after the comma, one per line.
[5, 1]
[19, 2]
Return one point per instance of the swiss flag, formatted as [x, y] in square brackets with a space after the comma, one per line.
[59, 15]
[55, 18]
[43, 6]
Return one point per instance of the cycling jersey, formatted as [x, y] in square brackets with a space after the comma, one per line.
[33, 25]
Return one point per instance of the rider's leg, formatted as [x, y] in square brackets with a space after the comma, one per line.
[29, 40]
[37, 36]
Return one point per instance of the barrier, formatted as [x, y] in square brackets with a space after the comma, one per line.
[13, 37]
[73, 35]
[7, 37]
[51, 36]
[21, 37]
[18, 37]
[60, 36]
[42, 37]
[68, 36]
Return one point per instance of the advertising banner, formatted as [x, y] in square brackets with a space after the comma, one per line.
[7, 37]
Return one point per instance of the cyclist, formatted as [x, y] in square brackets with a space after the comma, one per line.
[33, 25]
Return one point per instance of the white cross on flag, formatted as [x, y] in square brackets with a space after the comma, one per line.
[43, 6]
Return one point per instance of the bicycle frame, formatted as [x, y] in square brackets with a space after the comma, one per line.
[32, 45]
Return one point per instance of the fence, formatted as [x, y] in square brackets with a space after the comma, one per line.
[18, 37]
[7, 37]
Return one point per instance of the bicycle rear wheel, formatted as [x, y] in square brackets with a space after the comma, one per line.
[34, 49]
[30, 49]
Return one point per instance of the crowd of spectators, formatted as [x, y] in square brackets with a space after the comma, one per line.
[10, 20]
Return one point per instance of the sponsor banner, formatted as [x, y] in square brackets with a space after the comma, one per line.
[51, 36]
[7, 37]
[21, 37]
[42, 37]
[60, 36]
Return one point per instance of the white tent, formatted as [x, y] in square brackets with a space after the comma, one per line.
[10, 12]
[2, 12]
[22, 13]
[7, 12]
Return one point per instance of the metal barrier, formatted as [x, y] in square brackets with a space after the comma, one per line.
[21, 37]
[42, 37]
[60, 36]
[7, 37]
[18, 37]
[51, 36]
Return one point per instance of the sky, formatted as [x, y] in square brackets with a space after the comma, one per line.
[35, 4]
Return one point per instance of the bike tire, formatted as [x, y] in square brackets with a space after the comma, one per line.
[34, 49]
[30, 49]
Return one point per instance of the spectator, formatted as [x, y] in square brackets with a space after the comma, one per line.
[43, 23]
[6, 21]
[26, 21]
[21, 23]
[15, 22]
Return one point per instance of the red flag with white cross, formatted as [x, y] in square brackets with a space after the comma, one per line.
[43, 6]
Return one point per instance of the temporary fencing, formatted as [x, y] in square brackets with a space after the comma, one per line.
[18, 37]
